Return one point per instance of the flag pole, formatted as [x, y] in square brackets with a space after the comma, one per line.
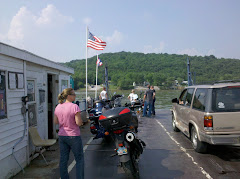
[96, 78]
[86, 62]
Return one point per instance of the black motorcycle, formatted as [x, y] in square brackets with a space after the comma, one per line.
[99, 106]
[121, 124]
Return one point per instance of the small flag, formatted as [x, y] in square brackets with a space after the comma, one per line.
[95, 42]
[99, 62]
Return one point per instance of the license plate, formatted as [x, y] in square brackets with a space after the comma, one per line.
[122, 151]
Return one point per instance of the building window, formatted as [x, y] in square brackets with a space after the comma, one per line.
[3, 102]
[64, 84]
[30, 90]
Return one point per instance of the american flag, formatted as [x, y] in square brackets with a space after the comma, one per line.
[99, 62]
[95, 42]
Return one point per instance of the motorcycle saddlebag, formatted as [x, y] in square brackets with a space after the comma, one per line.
[116, 118]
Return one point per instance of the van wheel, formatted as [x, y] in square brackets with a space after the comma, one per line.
[198, 146]
[174, 124]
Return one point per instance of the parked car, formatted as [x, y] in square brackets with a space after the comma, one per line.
[208, 114]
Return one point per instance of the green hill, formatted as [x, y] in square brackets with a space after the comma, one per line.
[124, 68]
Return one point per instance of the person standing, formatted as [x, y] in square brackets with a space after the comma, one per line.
[67, 115]
[154, 99]
[103, 95]
[133, 97]
[148, 101]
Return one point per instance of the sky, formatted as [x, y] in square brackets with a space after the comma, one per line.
[56, 29]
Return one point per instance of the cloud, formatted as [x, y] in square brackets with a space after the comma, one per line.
[211, 52]
[87, 20]
[25, 25]
[190, 52]
[115, 39]
[151, 49]
[195, 52]
[51, 16]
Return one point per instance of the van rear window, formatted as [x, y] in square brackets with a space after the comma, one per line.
[226, 99]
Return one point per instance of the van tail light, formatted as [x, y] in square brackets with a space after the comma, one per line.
[127, 110]
[102, 117]
[208, 122]
[118, 131]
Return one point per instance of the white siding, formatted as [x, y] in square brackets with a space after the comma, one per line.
[12, 128]
[24, 55]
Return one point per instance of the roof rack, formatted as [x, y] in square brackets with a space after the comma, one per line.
[225, 81]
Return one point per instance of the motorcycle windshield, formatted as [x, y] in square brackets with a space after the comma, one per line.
[99, 106]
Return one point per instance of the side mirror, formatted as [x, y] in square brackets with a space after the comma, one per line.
[175, 100]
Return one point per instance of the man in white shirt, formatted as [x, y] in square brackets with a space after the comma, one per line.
[103, 95]
[133, 97]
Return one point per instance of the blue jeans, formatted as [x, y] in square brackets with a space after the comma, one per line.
[146, 104]
[66, 144]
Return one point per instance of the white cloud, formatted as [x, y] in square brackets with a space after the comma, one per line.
[195, 52]
[115, 39]
[87, 20]
[151, 49]
[51, 16]
[25, 25]
[190, 52]
[211, 52]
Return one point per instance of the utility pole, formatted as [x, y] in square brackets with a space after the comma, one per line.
[189, 73]
[106, 78]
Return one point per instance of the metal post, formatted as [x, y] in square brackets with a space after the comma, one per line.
[189, 73]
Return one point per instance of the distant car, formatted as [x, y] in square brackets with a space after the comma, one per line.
[208, 114]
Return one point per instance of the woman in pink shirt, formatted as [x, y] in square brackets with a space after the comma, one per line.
[67, 115]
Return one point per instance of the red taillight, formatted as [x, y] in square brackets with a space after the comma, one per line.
[118, 131]
[233, 86]
[120, 145]
[92, 127]
[127, 110]
[91, 114]
[208, 122]
[102, 117]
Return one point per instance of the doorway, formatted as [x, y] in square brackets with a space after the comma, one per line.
[50, 106]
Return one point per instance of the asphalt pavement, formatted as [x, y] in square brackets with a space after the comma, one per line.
[168, 154]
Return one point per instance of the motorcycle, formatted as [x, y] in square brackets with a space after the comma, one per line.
[136, 106]
[121, 124]
[94, 113]
[99, 107]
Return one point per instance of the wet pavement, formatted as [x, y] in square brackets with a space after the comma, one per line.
[168, 154]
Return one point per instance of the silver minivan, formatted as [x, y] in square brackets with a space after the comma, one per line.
[208, 114]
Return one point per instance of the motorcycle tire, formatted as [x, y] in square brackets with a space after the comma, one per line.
[131, 168]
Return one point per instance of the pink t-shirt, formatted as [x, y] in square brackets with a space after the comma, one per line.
[66, 117]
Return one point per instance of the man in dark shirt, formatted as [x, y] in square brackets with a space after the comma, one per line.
[153, 106]
[148, 101]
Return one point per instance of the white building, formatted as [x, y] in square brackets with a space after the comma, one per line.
[25, 74]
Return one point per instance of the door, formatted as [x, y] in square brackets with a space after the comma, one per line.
[184, 109]
[50, 106]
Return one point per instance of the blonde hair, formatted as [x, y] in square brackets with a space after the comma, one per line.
[63, 96]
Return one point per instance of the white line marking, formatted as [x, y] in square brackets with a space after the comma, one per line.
[185, 151]
[70, 167]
